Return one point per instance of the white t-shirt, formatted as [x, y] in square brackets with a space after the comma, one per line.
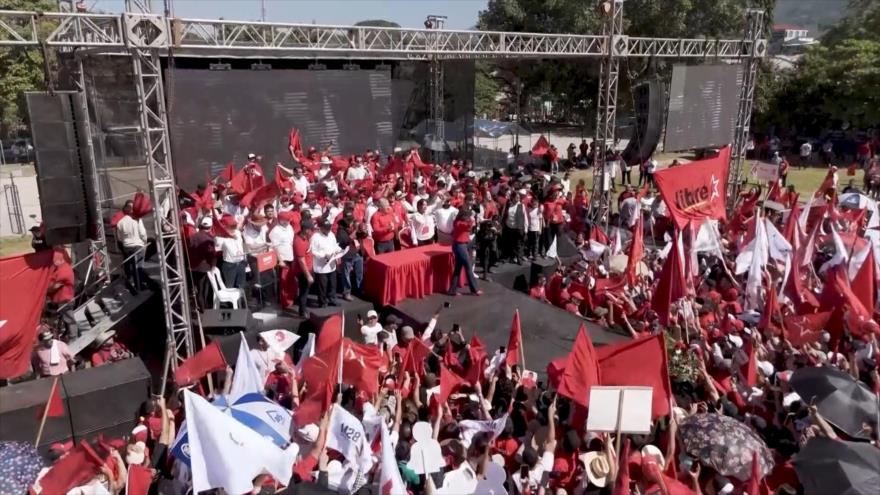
[444, 218]
[356, 172]
[423, 226]
[534, 216]
[232, 248]
[281, 238]
[131, 232]
[300, 185]
[323, 247]
[370, 332]
[255, 238]
[806, 150]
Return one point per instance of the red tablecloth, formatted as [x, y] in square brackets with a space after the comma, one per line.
[410, 273]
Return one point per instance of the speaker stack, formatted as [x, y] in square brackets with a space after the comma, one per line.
[649, 98]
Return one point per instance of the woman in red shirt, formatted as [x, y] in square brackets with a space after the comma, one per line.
[461, 240]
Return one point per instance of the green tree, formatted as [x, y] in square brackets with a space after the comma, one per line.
[377, 23]
[21, 70]
[486, 90]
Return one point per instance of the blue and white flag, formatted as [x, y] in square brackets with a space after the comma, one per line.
[247, 377]
[226, 454]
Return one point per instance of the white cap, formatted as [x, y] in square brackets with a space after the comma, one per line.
[736, 340]
[789, 399]
[309, 432]
[766, 368]
[397, 149]
[251, 156]
[372, 314]
[206, 222]
[326, 161]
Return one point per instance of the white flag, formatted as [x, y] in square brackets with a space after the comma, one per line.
[390, 482]
[247, 377]
[307, 352]
[226, 454]
[551, 251]
[346, 435]
[469, 428]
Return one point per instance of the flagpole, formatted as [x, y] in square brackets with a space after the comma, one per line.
[46, 410]
[341, 343]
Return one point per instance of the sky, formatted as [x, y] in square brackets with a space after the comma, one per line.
[462, 14]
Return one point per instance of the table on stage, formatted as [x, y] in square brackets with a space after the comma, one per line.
[410, 273]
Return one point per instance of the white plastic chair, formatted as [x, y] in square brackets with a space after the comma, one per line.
[222, 294]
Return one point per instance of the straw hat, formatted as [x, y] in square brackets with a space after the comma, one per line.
[135, 453]
[597, 467]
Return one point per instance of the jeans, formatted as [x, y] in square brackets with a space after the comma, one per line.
[532, 243]
[135, 276]
[326, 288]
[355, 264]
[384, 247]
[233, 274]
[462, 261]
[626, 177]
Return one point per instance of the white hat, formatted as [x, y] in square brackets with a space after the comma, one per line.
[397, 149]
[653, 451]
[736, 340]
[326, 161]
[309, 432]
[597, 467]
[135, 453]
[251, 156]
[372, 314]
[766, 368]
[789, 399]
[206, 222]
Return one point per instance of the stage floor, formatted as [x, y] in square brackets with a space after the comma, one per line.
[548, 332]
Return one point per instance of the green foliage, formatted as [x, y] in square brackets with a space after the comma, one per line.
[378, 23]
[486, 88]
[861, 22]
[21, 70]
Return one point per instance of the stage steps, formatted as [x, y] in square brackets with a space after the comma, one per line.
[118, 300]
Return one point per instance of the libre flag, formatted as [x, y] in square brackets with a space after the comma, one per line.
[514, 343]
[697, 190]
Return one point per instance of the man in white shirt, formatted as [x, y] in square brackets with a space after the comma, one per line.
[444, 217]
[324, 252]
[371, 328]
[299, 181]
[806, 153]
[132, 235]
[231, 248]
[232, 207]
[281, 239]
[315, 208]
[356, 171]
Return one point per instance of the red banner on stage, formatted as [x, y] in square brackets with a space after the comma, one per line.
[24, 280]
[696, 190]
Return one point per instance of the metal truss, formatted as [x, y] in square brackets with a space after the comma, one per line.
[753, 31]
[218, 38]
[163, 188]
[606, 111]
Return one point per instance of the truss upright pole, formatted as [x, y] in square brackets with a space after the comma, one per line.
[436, 110]
[606, 108]
[757, 49]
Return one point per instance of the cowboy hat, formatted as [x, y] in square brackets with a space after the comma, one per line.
[652, 451]
[597, 467]
[135, 453]
[326, 161]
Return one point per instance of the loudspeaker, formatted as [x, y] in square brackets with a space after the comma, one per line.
[649, 101]
[226, 321]
[64, 165]
[21, 407]
[106, 398]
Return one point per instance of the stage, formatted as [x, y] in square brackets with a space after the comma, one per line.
[548, 332]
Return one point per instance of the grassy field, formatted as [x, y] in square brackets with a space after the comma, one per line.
[10, 245]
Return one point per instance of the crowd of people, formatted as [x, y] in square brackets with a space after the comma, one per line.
[733, 308]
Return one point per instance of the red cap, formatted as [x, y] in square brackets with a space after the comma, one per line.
[297, 198]
[228, 221]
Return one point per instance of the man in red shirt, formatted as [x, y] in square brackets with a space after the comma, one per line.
[61, 292]
[302, 265]
[384, 224]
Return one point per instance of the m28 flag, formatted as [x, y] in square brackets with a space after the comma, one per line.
[696, 190]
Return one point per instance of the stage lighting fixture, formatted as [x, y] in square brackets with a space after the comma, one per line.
[219, 66]
[261, 66]
[317, 66]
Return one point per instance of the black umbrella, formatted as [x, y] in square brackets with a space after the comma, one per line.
[842, 400]
[843, 468]
[725, 444]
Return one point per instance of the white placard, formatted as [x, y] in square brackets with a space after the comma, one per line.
[764, 172]
[632, 405]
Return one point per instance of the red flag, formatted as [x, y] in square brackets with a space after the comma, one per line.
[20, 310]
[599, 235]
[72, 470]
[449, 381]
[697, 191]
[476, 360]
[756, 487]
[771, 308]
[361, 365]
[142, 206]
[54, 407]
[319, 373]
[555, 370]
[837, 293]
[514, 342]
[827, 183]
[581, 371]
[256, 198]
[329, 334]
[791, 230]
[804, 300]
[541, 147]
[293, 144]
[414, 358]
[206, 200]
[749, 370]
[805, 329]
[621, 484]
[636, 250]
[139, 480]
[639, 362]
[228, 173]
[864, 284]
[671, 286]
[207, 360]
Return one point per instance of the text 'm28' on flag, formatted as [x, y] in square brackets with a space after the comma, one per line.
[697, 190]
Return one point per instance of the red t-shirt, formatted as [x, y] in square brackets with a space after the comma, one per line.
[461, 231]
[566, 466]
[383, 226]
[538, 292]
[301, 250]
[63, 275]
[304, 468]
